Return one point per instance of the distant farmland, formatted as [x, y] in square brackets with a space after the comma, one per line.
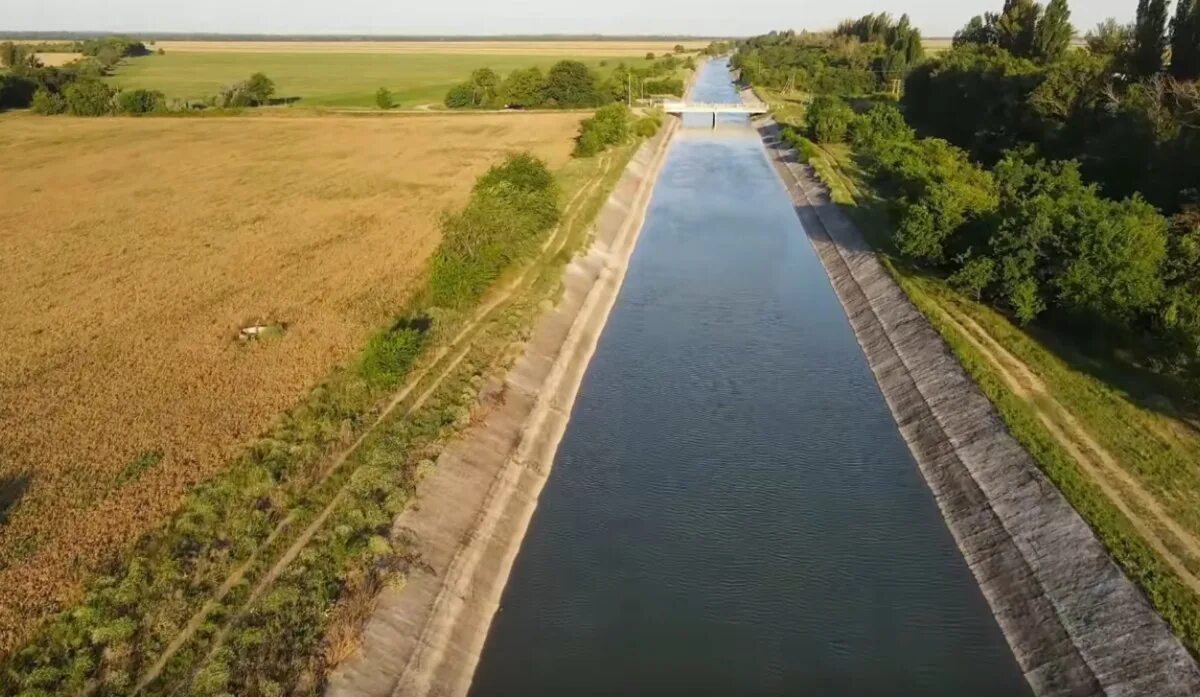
[347, 74]
[135, 252]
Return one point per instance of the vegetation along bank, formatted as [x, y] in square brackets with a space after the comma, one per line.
[1035, 201]
[261, 582]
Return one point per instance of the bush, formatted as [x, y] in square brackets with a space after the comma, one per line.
[461, 96]
[666, 85]
[646, 127]
[829, 119]
[609, 126]
[16, 91]
[882, 124]
[48, 103]
[649, 55]
[260, 88]
[89, 98]
[383, 99]
[140, 102]
[510, 207]
[974, 277]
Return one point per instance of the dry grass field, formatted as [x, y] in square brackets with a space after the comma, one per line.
[583, 49]
[58, 59]
[136, 249]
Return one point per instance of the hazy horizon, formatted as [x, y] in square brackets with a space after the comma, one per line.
[478, 18]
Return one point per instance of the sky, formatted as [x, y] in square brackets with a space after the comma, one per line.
[491, 17]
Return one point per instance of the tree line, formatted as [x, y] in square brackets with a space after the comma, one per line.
[861, 56]
[568, 84]
[79, 89]
[1052, 182]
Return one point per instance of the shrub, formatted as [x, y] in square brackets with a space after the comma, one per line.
[510, 207]
[16, 91]
[383, 99]
[649, 55]
[140, 102]
[882, 124]
[609, 126]
[829, 119]
[974, 277]
[234, 96]
[260, 88]
[646, 127]
[48, 103]
[666, 85]
[89, 98]
[461, 96]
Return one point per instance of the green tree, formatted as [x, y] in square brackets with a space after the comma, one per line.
[980, 30]
[1054, 32]
[461, 96]
[829, 119]
[10, 54]
[1016, 28]
[679, 48]
[649, 55]
[1149, 38]
[882, 125]
[570, 84]
[16, 91]
[1185, 40]
[974, 277]
[260, 88]
[486, 83]
[141, 102]
[89, 98]
[1058, 239]
[48, 103]
[1110, 39]
[609, 126]
[383, 99]
[523, 89]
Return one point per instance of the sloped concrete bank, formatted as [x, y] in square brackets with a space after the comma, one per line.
[472, 512]
[1076, 623]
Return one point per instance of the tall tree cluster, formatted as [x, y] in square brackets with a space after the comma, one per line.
[1185, 41]
[1023, 28]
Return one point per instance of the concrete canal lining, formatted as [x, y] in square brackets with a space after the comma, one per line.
[472, 512]
[1077, 625]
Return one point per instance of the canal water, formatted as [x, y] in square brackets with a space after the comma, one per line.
[732, 510]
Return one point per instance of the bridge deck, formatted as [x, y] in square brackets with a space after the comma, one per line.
[713, 108]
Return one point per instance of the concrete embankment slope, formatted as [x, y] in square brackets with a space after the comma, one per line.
[1077, 624]
[472, 512]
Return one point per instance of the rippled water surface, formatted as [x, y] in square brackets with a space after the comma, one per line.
[732, 510]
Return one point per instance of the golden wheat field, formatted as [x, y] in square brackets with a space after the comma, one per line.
[134, 252]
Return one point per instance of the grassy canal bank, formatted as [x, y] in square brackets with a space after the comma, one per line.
[261, 583]
[1119, 443]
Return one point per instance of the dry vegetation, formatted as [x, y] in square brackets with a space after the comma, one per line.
[58, 59]
[134, 252]
[518, 48]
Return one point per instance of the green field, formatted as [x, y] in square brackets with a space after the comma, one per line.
[327, 79]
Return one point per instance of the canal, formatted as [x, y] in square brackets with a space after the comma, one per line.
[732, 510]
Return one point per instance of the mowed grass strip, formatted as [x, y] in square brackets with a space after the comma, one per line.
[137, 249]
[332, 79]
